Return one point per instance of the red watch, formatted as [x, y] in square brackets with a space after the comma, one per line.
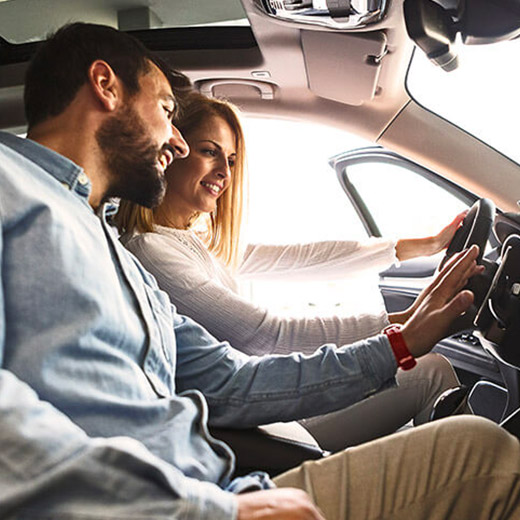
[404, 359]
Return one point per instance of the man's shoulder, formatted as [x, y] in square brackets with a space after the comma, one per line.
[31, 156]
[10, 146]
[17, 155]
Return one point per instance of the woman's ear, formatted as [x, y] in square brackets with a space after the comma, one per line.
[105, 85]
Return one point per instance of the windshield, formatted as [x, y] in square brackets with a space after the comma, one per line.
[481, 96]
[31, 20]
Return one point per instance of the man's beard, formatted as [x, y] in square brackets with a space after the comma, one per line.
[131, 158]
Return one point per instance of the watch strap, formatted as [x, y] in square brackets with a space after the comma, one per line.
[404, 358]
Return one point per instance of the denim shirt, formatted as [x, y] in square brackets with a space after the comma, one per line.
[89, 330]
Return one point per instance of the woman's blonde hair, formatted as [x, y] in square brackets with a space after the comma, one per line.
[222, 230]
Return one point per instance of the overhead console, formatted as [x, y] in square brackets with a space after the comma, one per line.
[335, 14]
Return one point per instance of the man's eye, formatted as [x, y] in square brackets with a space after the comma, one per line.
[169, 112]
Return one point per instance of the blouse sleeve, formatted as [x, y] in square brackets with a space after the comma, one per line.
[330, 260]
[249, 328]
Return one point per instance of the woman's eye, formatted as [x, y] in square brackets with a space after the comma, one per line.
[208, 151]
[231, 162]
[169, 112]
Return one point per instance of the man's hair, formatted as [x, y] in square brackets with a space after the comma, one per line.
[60, 67]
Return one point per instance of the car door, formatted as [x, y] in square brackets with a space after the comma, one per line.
[395, 197]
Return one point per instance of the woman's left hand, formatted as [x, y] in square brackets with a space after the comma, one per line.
[408, 248]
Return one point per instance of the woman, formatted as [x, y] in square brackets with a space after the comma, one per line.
[191, 244]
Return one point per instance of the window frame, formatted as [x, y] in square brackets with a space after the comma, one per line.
[376, 154]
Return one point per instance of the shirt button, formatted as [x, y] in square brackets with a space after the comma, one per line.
[82, 178]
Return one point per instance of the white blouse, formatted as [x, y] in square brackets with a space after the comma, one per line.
[204, 289]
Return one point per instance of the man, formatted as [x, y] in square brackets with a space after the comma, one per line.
[92, 334]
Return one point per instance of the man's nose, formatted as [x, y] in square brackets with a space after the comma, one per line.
[179, 144]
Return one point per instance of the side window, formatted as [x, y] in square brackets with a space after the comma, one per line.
[402, 202]
[295, 197]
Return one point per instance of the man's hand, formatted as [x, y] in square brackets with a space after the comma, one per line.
[403, 316]
[277, 504]
[443, 302]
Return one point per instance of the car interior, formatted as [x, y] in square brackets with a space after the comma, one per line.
[344, 64]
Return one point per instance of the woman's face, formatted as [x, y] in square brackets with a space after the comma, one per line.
[195, 183]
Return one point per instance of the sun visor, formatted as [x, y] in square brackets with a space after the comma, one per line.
[343, 66]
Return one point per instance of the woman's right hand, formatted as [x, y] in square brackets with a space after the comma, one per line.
[408, 248]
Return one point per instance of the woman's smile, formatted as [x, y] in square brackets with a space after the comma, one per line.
[214, 189]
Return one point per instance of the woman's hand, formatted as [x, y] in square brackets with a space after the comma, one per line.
[408, 248]
[412, 248]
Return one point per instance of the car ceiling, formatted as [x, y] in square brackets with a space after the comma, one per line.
[353, 80]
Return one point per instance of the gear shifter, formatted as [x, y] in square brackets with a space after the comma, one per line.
[453, 401]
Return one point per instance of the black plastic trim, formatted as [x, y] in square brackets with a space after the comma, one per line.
[175, 39]
[470, 358]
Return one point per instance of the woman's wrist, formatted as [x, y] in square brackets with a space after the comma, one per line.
[398, 317]
[408, 248]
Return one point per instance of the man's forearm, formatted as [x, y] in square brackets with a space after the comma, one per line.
[50, 468]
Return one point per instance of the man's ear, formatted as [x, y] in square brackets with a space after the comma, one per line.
[106, 86]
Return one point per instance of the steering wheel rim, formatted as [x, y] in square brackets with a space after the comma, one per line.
[475, 229]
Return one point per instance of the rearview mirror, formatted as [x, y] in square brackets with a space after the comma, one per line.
[434, 24]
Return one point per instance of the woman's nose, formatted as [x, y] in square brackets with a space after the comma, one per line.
[224, 170]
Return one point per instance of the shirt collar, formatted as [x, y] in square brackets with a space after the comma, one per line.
[62, 169]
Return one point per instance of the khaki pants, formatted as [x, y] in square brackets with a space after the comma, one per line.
[386, 411]
[457, 468]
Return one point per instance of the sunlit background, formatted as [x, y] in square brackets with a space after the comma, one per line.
[295, 196]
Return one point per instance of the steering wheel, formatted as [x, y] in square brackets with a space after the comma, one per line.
[475, 229]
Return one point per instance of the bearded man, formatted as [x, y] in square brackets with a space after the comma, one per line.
[88, 329]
